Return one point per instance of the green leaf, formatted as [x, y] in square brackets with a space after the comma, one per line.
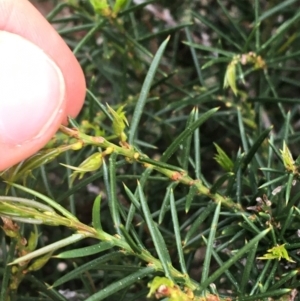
[119, 122]
[139, 107]
[220, 262]
[101, 7]
[158, 241]
[210, 243]
[132, 197]
[270, 277]
[24, 169]
[86, 251]
[262, 277]
[287, 158]
[258, 142]
[186, 144]
[33, 239]
[238, 29]
[279, 180]
[40, 262]
[194, 56]
[47, 200]
[134, 8]
[284, 279]
[166, 201]
[248, 268]
[210, 49]
[216, 30]
[121, 284]
[92, 163]
[189, 198]
[277, 252]
[289, 185]
[145, 159]
[44, 289]
[174, 106]
[232, 260]
[183, 135]
[269, 294]
[129, 240]
[7, 272]
[280, 31]
[90, 265]
[230, 77]
[89, 35]
[85, 182]
[50, 248]
[174, 212]
[242, 130]
[274, 9]
[197, 152]
[114, 203]
[224, 161]
[200, 219]
[96, 214]
[253, 228]
[26, 202]
[164, 32]
[221, 181]
[119, 5]
[286, 127]
[287, 221]
[274, 100]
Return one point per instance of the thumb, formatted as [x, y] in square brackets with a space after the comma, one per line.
[32, 98]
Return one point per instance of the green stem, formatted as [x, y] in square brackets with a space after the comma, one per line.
[130, 153]
[173, 173]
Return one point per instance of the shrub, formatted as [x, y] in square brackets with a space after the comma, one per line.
[179, 179]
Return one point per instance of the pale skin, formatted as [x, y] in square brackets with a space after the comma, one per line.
[41, 82]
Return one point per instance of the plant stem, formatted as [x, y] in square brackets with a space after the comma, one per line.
[129, 152]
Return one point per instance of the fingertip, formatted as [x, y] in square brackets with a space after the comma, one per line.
[32, 94]
[22, 18]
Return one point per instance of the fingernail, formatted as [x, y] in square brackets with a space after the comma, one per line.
[32, 90]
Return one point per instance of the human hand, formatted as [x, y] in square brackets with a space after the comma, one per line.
[41, 82]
